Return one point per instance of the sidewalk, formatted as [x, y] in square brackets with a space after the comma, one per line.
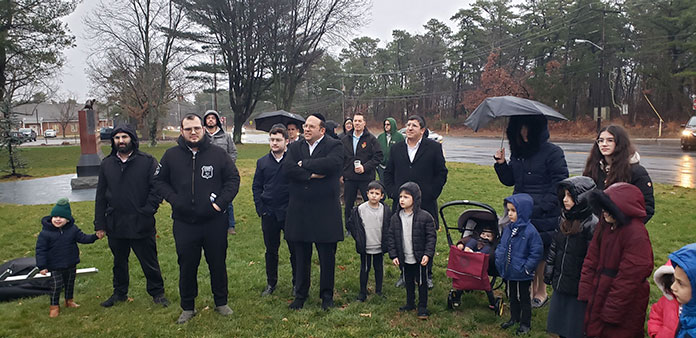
[46, 190]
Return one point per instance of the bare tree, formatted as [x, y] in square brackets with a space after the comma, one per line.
[139, 57]
[68, 113]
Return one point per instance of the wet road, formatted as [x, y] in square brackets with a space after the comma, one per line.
[664, 160]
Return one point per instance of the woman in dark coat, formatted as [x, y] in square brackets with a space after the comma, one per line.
[536, 167]
[618, 263]
[614, 159]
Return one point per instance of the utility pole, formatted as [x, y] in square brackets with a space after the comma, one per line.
[604, 12]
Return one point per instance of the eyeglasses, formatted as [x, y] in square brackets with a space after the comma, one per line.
[605, 140]
[196, 129]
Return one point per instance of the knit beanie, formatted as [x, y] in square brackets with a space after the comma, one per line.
[62, 209]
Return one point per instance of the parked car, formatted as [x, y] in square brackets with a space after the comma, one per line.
[49, 133]
[28, 134]
[105, 133]
[16, 137]
[431, 135]
[688, 136]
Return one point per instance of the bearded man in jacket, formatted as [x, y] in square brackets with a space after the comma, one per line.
[124, 210]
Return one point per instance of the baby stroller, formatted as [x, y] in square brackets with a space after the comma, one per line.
[471, 270]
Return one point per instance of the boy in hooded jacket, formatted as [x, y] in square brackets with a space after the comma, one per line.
[566, 255]
[369, 224]
[516, 258]
[411, 242]
[684, 262]
[664, 315]
[57, 252]
[618, 262]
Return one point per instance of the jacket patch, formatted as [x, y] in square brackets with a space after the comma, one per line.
[207, 171]
[157, 170]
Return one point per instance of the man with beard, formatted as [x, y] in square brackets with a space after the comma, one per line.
[124, 209]
[222, 139]
[199, 180]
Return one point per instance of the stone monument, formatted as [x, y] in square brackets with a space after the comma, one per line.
[90, 152]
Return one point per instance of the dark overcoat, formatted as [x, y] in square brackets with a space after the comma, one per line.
[314, 207]
[428, 170]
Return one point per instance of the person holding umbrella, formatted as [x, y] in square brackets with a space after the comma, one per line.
[536, 166]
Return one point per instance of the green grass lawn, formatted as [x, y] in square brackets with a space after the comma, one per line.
[672, 227]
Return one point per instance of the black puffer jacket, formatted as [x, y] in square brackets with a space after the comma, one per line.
[641, 179]
[567, 252]
[356, 227]
[423, 229]
[56, 248]
[126, 201]
[187, 180]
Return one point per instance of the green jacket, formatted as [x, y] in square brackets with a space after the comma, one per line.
[396, 137]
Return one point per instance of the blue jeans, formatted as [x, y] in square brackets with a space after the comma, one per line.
[230, 213]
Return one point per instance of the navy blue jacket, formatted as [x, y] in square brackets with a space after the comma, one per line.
[535, 168]
[56, 248]
[270, 187]
[520, 248]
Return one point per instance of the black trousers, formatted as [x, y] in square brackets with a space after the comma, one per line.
[351, 191]
[63, 278]
[145, 250]
[271, 238]
[416, 274]
[520, 301]
[327, 264]
[211, 238]
[367, 260]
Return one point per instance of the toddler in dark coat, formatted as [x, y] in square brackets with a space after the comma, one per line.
[57, 252]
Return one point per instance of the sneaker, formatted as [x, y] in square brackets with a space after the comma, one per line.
[224, 310]
[523, 329]
[268, 291]
[508, 324]
[423, 313]
[537, 303]
[407, 307]
[185, 316]
[231, 231]
[361, 297]
[113, 300]
[430, 283]
[161, 300]
[400, 282]
[296, 304]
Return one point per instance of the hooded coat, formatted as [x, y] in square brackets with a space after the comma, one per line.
[188, 181]
[685, 258]
[535, 168]
[618, 262]
[56, 248]
[221, 138]
[367, 151]
[664, 315]
[126, 201]
[424, 236]
[520, 248]
[396, 137]
[567, 252]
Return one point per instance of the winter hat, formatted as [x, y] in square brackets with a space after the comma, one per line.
[662, 271]
[62, 209]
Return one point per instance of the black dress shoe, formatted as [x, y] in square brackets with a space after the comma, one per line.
[423, 313]
[523, 329]
[361, 297]
[407, 307]
[268, 291]
[327, 303]
[113, 300]
[508, 324]
[161, 300]
[296, 304]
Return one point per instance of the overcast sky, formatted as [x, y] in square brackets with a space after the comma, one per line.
[386, 16]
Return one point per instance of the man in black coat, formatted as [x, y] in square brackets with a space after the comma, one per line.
[362, 156]
[420, 160]
[124, 209]
[199, 180]
[313, 168]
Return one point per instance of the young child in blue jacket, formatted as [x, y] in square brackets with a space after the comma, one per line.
[516, 258]
[57, 252]
[684, 262]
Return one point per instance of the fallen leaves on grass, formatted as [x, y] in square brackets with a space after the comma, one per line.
[369, 315]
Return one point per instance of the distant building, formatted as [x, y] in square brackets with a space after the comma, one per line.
[42, 116]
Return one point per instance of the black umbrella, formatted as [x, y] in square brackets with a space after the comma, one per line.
[505, 106]
[266, 120]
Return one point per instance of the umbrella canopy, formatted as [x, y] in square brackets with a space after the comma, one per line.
[266, 120]
[501, 106]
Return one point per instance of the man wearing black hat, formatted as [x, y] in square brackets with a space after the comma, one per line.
[312, 168]
[199, 180]
[124, 209]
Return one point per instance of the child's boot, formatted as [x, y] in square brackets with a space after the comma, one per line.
[71, 303]
[54, 311]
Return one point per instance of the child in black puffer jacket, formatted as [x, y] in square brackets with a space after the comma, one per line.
[566, 255]
[57, 252]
